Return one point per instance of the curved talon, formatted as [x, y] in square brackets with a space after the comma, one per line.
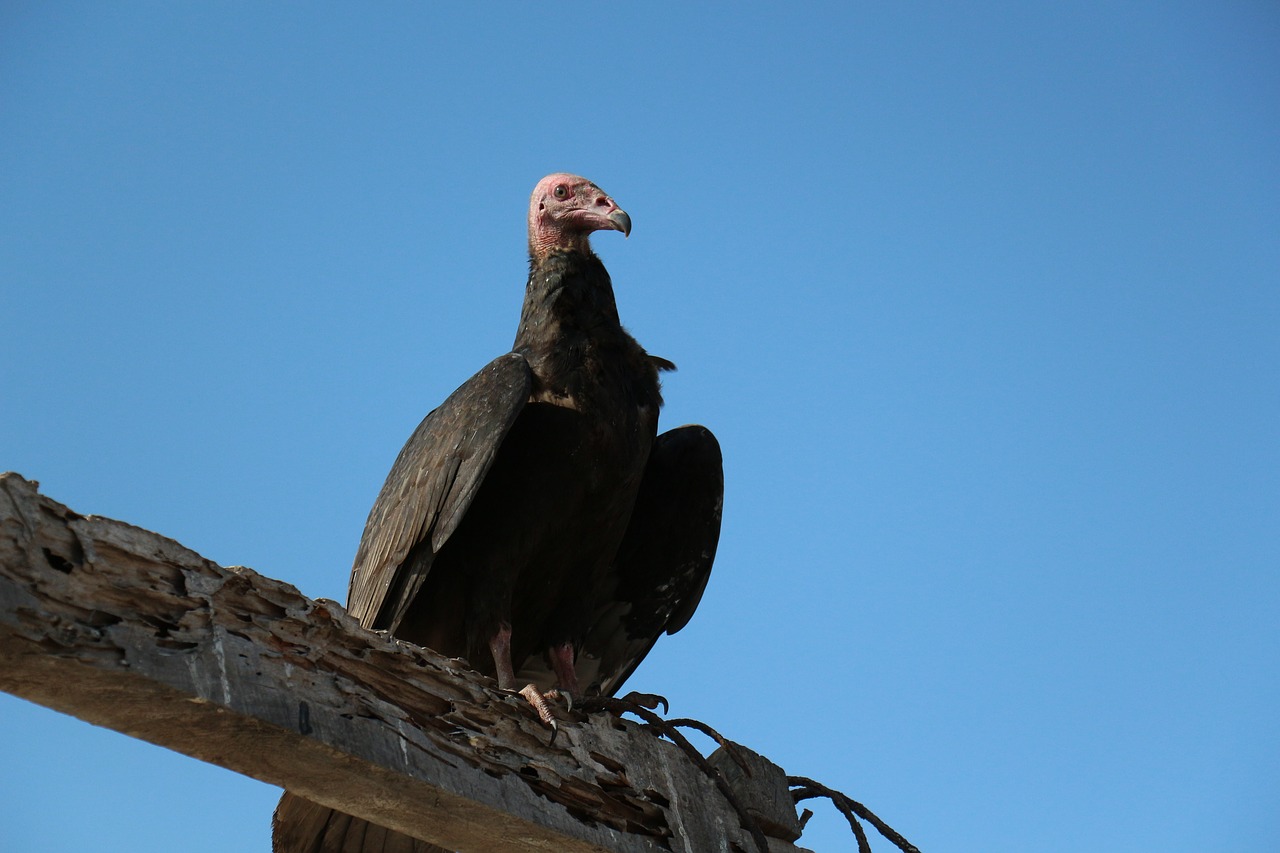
[556, 693]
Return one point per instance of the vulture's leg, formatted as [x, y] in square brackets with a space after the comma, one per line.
[562, 660]
[500, 648]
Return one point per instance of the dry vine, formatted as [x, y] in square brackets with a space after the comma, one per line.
[804, 789]
[642, 705]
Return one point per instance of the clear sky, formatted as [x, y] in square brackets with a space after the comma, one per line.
[982, 303]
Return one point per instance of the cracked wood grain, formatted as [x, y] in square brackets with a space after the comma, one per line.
[130, 630]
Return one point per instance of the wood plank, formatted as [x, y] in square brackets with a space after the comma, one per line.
[130, 630]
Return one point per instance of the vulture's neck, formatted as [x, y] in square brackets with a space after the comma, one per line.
[569, 318]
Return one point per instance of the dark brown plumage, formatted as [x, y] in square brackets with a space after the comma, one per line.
[532, 524]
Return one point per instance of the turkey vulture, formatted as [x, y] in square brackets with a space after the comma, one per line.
[534, 523]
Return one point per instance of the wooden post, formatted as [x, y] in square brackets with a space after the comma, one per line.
[129, 630]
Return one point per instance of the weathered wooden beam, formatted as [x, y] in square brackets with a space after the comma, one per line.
[129, 630]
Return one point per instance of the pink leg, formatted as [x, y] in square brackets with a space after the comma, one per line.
[500, 648]
[562, 660]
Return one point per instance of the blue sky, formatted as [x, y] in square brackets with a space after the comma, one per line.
[982, 305]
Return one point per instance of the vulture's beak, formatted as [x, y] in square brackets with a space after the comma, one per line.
[621, 222]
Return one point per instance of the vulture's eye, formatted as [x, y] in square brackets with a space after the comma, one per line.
[561, 191]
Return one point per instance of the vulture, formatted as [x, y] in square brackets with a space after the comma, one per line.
[535, 523]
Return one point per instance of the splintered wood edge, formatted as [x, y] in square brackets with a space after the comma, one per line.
[132, 631]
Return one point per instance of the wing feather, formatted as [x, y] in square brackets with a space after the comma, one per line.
[662, 566]
[430, 487]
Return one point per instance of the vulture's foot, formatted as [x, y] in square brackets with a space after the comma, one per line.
[539, 703]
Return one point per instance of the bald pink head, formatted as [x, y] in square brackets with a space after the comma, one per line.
[565, 209]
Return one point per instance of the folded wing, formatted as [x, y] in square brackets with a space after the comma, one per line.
[430, 486]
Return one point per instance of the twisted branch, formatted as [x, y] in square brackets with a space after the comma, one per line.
[852, 810]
